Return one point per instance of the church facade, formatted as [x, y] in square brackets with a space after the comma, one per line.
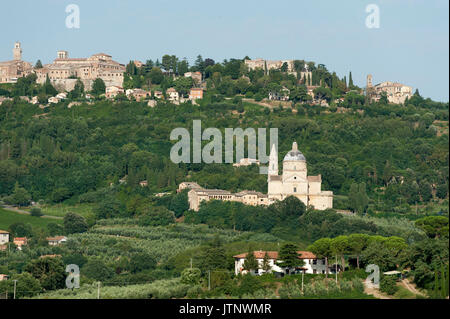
[294, 181]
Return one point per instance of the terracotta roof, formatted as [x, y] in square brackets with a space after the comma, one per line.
[317, 178]
[260, 254]
[274, 255]
[306, 255]
[100, 54]
[3, 232]
[56, 238]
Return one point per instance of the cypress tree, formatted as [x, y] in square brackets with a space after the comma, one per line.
[350, 80]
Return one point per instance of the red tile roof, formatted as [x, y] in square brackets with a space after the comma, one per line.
[274, 255]
[57, 238]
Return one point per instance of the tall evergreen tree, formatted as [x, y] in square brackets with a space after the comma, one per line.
[250, 262]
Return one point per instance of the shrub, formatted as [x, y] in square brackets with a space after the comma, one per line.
[388, 285]
[191, 276]
[36, 212]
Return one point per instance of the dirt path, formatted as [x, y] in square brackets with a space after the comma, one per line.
[408, 285]
[370, 290]
[24, 212]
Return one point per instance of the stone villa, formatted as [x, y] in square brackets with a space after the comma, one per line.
[64, 71]
[293, 182]
[10, 71]
[267, 65]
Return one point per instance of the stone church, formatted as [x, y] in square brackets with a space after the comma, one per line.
[10, 71]
[295, 180]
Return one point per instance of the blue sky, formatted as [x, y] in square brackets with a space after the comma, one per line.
[411, 46]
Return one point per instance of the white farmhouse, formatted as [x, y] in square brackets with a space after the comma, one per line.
[312, 264]
[55, 241]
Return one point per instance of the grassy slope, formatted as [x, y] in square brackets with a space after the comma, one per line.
[61, 210]
[7, 218]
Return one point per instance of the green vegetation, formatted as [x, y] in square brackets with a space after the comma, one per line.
[388, 164]
[7, 218]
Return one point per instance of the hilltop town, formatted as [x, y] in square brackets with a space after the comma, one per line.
[303, 81]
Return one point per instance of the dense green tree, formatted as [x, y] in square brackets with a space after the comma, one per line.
[26, 286]
[19, 229]
[20, 196]
[288, 257]
[96, 269]
[322, 249]
[140, 262]
[180, 203]
[50, 272]
[357, 243]
[98, 87]
[74, 223]
[433, 226]
[213, 256]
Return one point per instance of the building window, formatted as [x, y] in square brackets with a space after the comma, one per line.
[295, 189]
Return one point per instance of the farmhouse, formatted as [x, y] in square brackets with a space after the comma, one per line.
[55, 241]
[20, 241]
[312, 264]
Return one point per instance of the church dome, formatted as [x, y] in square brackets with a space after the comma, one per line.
[294, 154]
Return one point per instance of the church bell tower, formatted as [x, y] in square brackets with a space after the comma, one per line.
[273, 162]
[17, 52]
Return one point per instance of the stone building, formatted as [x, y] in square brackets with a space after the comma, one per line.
[196, 76]
[196, 94]
[10, 71]
[294, 181]
[64, 71]
[197, 195]
[396, 93]
[113, 90]
[268, 65]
